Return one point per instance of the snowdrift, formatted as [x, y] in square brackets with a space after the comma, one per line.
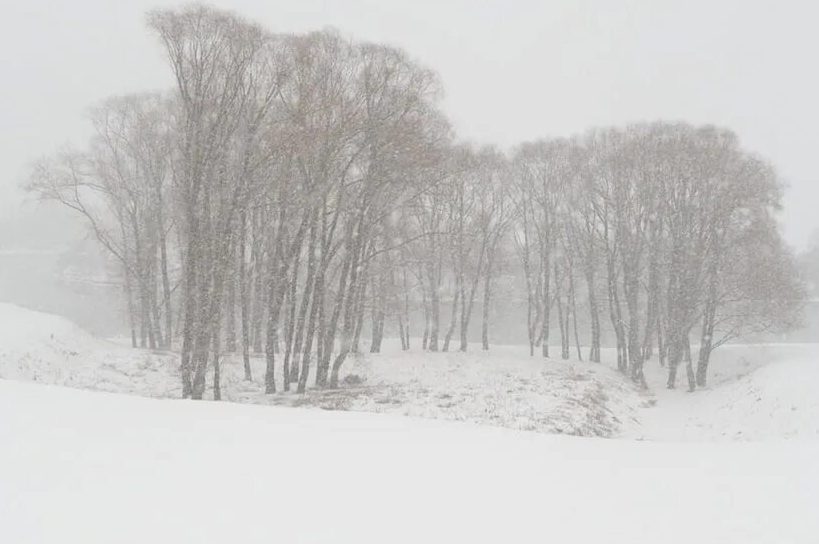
[48, 349]
[95, 468]
[504, 388]
[764, 392]
[756, 392]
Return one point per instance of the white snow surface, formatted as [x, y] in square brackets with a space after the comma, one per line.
[48, 349]
[762, 392]
[504, 388]
[78, 467]
[733, 463]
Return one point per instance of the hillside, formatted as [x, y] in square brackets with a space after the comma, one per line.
[755, 392]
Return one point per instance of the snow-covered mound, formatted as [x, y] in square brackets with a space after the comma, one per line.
[40, 335]
[45, 348]
[775, 400]
[92, 468]
[504, 388]
[757, 393]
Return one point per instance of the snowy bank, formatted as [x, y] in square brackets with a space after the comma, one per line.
[504, 387]
[93, 468]
[755, 392]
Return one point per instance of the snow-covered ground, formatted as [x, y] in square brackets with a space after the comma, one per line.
[755, 392]
[78, 467]
[759, 392]
[504, 388]
[734, 463]
[48, 349]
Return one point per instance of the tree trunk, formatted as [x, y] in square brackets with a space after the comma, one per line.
[323, 369]
[562, 316]
[435, 283]
[594, 314]
[378, 311]
[573, 310]
[706, 343]
[359, 326]
[230, 324]
[406, 326]
[306, 298]
[452, 320]
[635, 347]
[467, 304]
[217, 382]
[130, 300]
[661, 347]
[316, 301]
[615, 313]
[258, 300]
[676, 350]
[425, 337]
[689, 368]
[166, 289]
[546, 307]
[350, 308]
[400, 319]
[487, 285]
[155, 306]
[709, 315]
[243, 298]
[189, 332]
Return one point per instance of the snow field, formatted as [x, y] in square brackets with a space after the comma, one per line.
[90, 468]
[754, 393]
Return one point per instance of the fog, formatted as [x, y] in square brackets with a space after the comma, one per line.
[513, 70]
[580, 234]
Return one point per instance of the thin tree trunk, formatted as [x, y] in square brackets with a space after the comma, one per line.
[258, 300]
[166, 289]
[453, 319]
[706, 343]
[435, 283]
[661, 347]
[130, 299]
[546, 304]
[676, 350]
[487, 285]
[322, 372]
[290, 329]
[594, 314]
[406, 327]
[709, 315]
[217, 383]
[350, 306]
[424, 302]
[689, 368]
[307, 297]
[573, 309]
[230, 336]
[359, 323]
[378, 311]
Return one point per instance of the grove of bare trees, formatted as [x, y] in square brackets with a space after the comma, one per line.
[297, 196]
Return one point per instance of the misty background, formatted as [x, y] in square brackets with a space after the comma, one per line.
[511, 70]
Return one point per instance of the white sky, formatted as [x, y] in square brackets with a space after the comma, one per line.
[512, 69]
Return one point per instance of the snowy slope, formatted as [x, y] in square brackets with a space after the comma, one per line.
[503, 388]
[36, 346]
[756, 393]
[91, 468]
